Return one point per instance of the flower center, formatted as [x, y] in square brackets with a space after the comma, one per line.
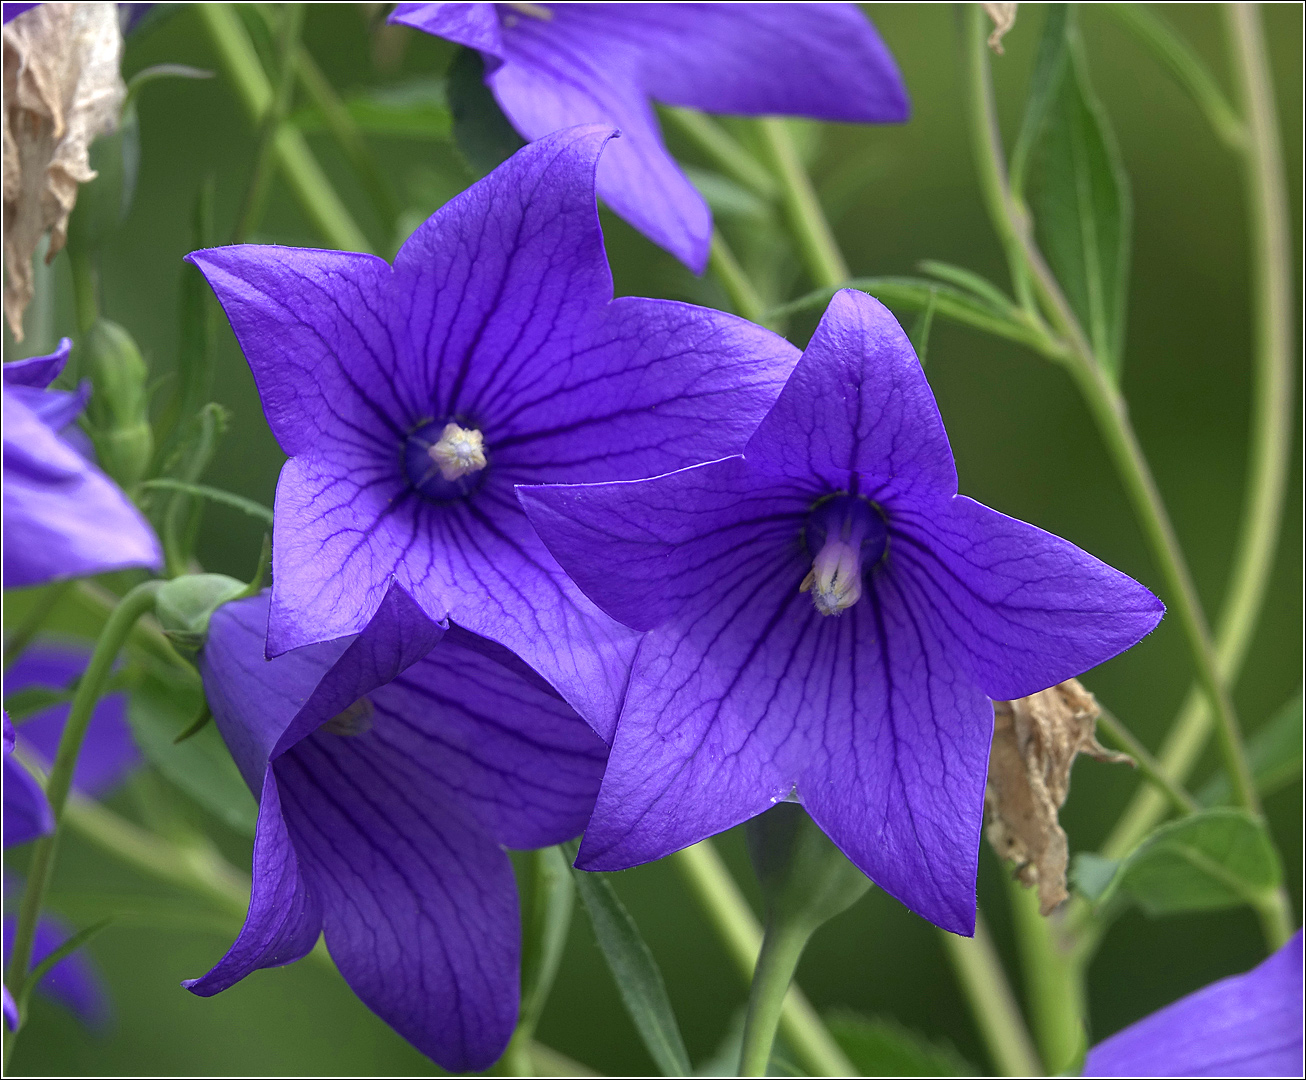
[848, 534]
[444, 461]
[355, 720]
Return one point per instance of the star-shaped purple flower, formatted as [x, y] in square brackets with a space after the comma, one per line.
[1245, 1025]
[828, 620]
[63, 517]
[554, 65]
[412, 399]
[385, 801]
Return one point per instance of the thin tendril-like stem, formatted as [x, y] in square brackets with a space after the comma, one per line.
[743, 295]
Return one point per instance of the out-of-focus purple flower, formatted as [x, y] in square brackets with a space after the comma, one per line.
[27, 814]
[108, 752]
[73, 981]
[412, 399]
[12, 11]
[551, 66]
[827, 620]
[385, 801]
[63, 518]
[1245, 1025]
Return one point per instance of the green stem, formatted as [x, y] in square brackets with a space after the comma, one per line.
[1124, 739]
[86, 290]
[260, 179]
[714, 888]
[1271, 419]
[744, 298]
[1053, 983]
[782, 947]
[811, 231]
[147, 637]
[984, 984]
[135, 604]
[307, 181]
[1108, 410]
[725, 151]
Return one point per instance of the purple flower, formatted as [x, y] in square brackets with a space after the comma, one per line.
[73, 982]
[27, 814]
[412, 399]
[552, 66]
[384, 806]
[108, 753]
[63, 517]
[12, 11]
[1245, 1025]
[827, 620]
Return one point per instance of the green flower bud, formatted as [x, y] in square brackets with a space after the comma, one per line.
[184, 606]
[118, 412]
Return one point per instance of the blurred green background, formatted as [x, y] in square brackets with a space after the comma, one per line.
[1024, 445]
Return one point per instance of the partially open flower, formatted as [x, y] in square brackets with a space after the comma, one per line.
[62, 90]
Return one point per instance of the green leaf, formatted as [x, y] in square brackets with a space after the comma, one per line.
[41, 970]
[882, 1047]
[920, 334]
[1067, 168]
[204, 491]
[417, 109]
[726, 197]
[483, 134]
[1274, 754]
[636, 973]
[200, 766]
[916, 294]
[1214, 859]
[1091, 875]
[972, 282]
[546, 919]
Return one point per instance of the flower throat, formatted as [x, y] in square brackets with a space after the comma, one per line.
[444, 461]
[849, 537]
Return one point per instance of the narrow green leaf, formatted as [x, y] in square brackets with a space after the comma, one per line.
[204, 491]
[41, 970]
[971, 281]
[727, 198]
[1274, 754]
[1091, 875]
[636, 973]
[417, 109]
[1069, 171]
[483, 134]
[920, 334]
[33, 699]
[200, 766]
[880, 1046]
[1215, 859]
[546, 919]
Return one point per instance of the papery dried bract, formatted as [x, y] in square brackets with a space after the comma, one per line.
[1035, 742]
[62, 90]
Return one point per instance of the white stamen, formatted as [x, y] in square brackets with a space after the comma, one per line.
[355, 720]
[459, 452]
[534, 11]
[835, 580]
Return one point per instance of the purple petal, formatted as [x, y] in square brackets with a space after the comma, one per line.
[857, 405]
[1021, 609]
[312, 326]
[57, 409]
[285, 915]
[27, 814]
[473, 25]
[36, 371]
[108, 753]
[73, 982]
[63, 518]
[10, 1006]
[1245, 1025]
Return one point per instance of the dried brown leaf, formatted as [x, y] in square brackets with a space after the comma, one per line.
[1035, 742]
[1004, 18]
[62, 90]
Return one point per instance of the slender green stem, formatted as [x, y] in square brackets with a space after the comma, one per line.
[714, 888]
[1124, 739]
[725, 151]
[260, 179]
[1053, 982]
[307, 181]
[993, 1005]
[1109, 411]
[86, 290]
[550, 1062]
[147, 637]
[743, 296]
[135, 604]
[811, 231]
[1271, 419]
[782, 947]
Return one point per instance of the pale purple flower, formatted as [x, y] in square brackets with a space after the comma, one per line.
[63, 518]
[550, 66]
[412, 399]
[12, 11]
[27, 814]
[827, 620]
[73, 982]
[385, 802]
[1245, 1025]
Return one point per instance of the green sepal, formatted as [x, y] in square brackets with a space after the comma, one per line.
[185, 605]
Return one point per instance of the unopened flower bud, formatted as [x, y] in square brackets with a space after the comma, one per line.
[118, 413]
